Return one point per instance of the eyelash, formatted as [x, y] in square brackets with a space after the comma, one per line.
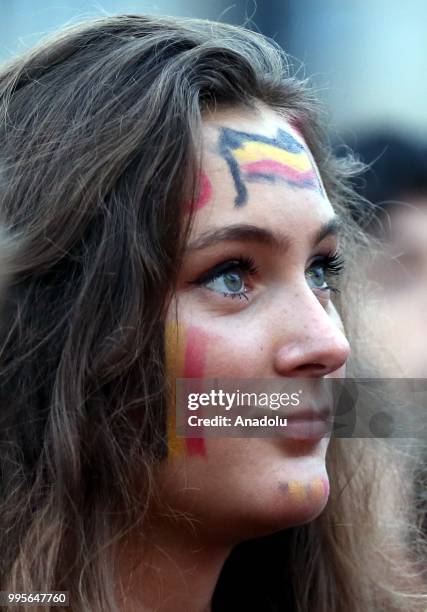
[332, 263]
[246, 265]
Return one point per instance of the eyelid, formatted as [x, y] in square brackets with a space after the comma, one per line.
[245, 264]
[333, 265]
[334, 260]
[218, 270]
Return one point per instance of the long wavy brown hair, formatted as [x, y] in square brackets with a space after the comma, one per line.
[100, 150]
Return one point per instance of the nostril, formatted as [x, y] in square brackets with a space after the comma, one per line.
[312, 369]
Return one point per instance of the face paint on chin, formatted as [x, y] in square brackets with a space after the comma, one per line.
[316, 489]
[252, 157]
[185, 349]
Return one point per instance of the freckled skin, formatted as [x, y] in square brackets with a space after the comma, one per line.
[244, 487]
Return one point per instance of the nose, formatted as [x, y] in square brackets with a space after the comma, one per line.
[313, 343]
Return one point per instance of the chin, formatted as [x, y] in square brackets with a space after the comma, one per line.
[284, 514]
[296, 496]
[280, 506]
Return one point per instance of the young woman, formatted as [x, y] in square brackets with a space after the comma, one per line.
[178, 214]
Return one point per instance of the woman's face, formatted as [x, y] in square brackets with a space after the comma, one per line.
[252, 302]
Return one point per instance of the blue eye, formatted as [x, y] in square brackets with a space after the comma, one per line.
[228, 277]
[321, 273]
[316, 276]
[230, 283]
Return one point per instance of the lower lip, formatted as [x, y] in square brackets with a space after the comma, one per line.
[306, 429]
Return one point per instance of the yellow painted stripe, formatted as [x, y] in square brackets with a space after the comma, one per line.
[297, 490]
[255, 151]
[175, 354]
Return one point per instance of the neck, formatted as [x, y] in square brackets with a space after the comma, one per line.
[172, 570]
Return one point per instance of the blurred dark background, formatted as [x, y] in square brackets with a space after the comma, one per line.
[369, 59]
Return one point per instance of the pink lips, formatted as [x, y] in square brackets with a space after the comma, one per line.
[308, 424]
[302, 423]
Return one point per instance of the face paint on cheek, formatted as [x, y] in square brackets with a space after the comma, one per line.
[185, 358]
[205, 193]
[252, 157]
[174, 365]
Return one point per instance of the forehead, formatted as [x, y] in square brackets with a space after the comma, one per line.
[256, 168]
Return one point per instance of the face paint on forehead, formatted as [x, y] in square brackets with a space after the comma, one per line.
[204, 193]
[185, 350]
[252, 157]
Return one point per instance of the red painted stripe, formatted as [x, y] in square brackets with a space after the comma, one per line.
[194, 365]
[270, 167]
[195, 446]
[205, 193]
[195, 353]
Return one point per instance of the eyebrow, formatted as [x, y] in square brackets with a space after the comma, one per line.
[253, 233]
[331, 228]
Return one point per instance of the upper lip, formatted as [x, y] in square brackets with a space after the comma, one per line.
[297, 413]
[308, 414]
[318, 414]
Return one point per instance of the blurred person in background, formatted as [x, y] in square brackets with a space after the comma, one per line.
[394, 304]
[173, 187]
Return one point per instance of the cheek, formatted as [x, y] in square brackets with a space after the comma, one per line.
[186, 352]
[235, 351]
[193, 352]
